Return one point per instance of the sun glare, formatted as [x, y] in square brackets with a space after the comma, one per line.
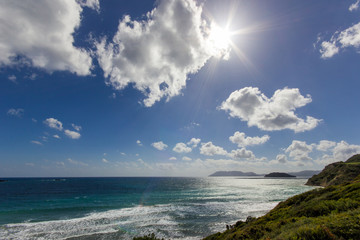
[220, 40]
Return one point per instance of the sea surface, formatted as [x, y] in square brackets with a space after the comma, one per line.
[122, 208]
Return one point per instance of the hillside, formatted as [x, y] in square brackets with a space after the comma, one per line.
[337, 173]
[332, 212]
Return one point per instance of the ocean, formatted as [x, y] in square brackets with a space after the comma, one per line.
[122, 208]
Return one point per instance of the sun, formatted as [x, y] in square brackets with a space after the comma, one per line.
[220, 40]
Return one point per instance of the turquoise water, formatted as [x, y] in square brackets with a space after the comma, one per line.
[121, 208]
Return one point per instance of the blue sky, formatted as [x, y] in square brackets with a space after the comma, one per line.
[177, 88]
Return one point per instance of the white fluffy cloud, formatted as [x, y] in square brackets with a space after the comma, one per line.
[194, 142]
[275, 113]
[349, 37]
[36, 142]
[281, 158]
[209, 149]
[241, 140]
[94, 4]
[181, 148]
[54, 123]
[159, 145]
[241, 154]
[42, 31]
[343, 150]
[325, 145]
[104, 160]
[173, 158]
[299, 150]
[158, 53]
[72, 134]
[138, 142]
[15, 112]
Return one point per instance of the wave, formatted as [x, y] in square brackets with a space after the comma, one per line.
[175, 221]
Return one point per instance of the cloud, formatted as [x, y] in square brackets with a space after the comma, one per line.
[325, 145]
[173, 158]
[349, 37]
[241, 154]
[299, 150]
[186, 159]
[104, 160]
[241, 140]
[93, 4]
[54, 123]
[12, 78]
[181, 148]
[36, 142]
[159, 145]
[354, 6]
[72, 134]
[139, 142]
[209, 149]
[275, 113]
[77, 162]
[194, 142]
[343, 150]
[281, 158]
[30, 164]
[56, 136]
[156, 55]
[76, 127]
[15, 112]
[41, 33]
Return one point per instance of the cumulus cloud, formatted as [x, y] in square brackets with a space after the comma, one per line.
[19, 112]
[181, 148]
[54, 123]
[354, 6]
[41, 32]
[349, 37]
[186, 159]
[173, 158]
[72, 134]
[241, 140]
[157, 54]
[56, 136]
[94, 4]
[275, 113]
[343, 150]
[138, 142]
[159, 145]
[325, 145]
[299, 150]
[209, 149]
[104, 160]
[194, 142]
[281, 158]
[241, 154]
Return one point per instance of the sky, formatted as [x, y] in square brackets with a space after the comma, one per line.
[177, 87]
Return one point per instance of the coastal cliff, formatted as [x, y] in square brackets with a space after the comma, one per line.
[332, 212]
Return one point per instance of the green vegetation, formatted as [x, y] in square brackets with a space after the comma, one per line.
[325, 213]
[337, 173]
[148, 237]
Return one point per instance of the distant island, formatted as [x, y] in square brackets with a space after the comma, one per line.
[279, 174]
[2, 180]
[305, 173]
[233, 174]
